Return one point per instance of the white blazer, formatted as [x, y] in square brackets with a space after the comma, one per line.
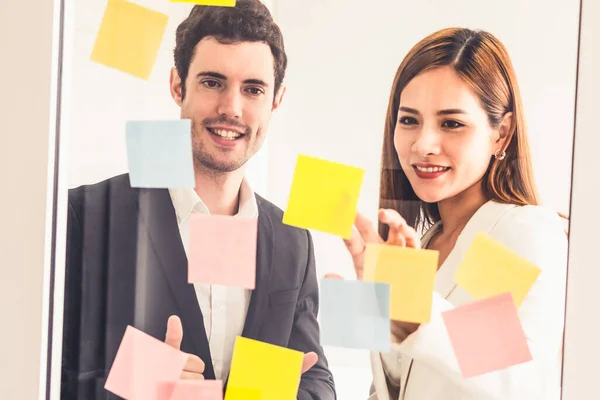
[536, 234]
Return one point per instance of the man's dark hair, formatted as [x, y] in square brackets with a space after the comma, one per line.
[248, 21]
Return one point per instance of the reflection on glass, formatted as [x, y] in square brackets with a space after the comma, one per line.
[454, 186]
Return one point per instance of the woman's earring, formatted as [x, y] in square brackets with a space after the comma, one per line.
[500, 154]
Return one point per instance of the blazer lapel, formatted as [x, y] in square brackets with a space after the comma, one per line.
[259, 300]
[158, 216]
[484, 220]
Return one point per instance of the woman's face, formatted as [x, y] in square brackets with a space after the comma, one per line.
[442, 136]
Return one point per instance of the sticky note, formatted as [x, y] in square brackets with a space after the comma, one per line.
[222, 250]
[411, 275]
[324, 196]
[129, 38]
[490, 268]
[143, 363]
[222, 3]
[271, 370]
[355, 314]
[190, 389]
[487, 335]
[159, 154]
[236, 393]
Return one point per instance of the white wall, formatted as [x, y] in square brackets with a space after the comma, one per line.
[27, 126]
[343, 56]
[104, 99]
[582, 348]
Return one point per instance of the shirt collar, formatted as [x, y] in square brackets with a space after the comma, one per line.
[186, 200]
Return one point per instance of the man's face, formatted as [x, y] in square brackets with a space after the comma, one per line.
[229, 98]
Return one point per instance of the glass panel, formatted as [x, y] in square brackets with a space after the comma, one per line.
[477, 145]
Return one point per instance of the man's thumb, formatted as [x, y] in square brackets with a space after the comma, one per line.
[174, 334]
[310, 359]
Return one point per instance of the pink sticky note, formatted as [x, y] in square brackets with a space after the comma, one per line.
[487, 335]
[192, 390]
[142, 364]
[222, 250]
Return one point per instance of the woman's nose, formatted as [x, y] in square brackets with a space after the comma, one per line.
[427, 142]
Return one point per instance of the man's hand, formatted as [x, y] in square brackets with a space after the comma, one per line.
[194, 367]
[310, 359]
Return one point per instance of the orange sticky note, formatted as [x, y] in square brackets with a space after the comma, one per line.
[411, 275]
[188, 389]
[324, 196]
[129, 38]
[143, 363]
[222, 250]
[487, 335]
[221, 3]
[490, 268]
[262, 368]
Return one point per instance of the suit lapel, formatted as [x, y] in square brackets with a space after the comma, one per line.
[259, 300]
[158, 216]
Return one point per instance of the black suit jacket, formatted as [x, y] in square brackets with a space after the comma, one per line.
[126, 265]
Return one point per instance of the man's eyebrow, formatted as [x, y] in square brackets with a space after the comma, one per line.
[259, 82]
[211, 74]
[222, 77]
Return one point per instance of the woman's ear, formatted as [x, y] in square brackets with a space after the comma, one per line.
[505, 130]
[175, 86]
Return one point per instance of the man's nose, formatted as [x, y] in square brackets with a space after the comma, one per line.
[230, 104]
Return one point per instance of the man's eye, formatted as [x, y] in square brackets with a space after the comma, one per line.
[408, 121]
[451, 124]
[255, 90]
[210, 83]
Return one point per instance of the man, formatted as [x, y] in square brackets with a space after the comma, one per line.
[126, 247]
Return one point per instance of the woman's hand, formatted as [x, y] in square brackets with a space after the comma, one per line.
[400, 234]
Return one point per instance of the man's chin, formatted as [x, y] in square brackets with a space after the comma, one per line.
[221, 166]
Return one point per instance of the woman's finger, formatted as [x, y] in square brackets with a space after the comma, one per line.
[400, 233]
[192, 375]
[356, 247]
[395, 222]
[366, 229]
[355, 244]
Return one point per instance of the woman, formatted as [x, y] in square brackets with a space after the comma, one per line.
[456, 162]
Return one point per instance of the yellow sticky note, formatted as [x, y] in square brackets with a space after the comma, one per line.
[490, 268]
[324, 196]
[265, 370]
[411, 275]
[129, 38]
[243, 393]
[221, 3]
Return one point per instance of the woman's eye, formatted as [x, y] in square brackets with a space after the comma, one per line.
[210, 83]
[450, 124]
[408, 121]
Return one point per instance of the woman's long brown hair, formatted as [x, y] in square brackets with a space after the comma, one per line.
[483, 63]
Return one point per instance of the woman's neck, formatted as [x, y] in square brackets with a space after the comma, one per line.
[456, 211]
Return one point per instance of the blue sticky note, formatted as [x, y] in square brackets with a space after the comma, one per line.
[159, 154]
[355, 314]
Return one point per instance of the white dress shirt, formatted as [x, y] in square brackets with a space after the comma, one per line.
[223, 308]
[424, 365]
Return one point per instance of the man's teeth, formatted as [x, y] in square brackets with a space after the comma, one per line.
[432, 169]
[226, 134]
